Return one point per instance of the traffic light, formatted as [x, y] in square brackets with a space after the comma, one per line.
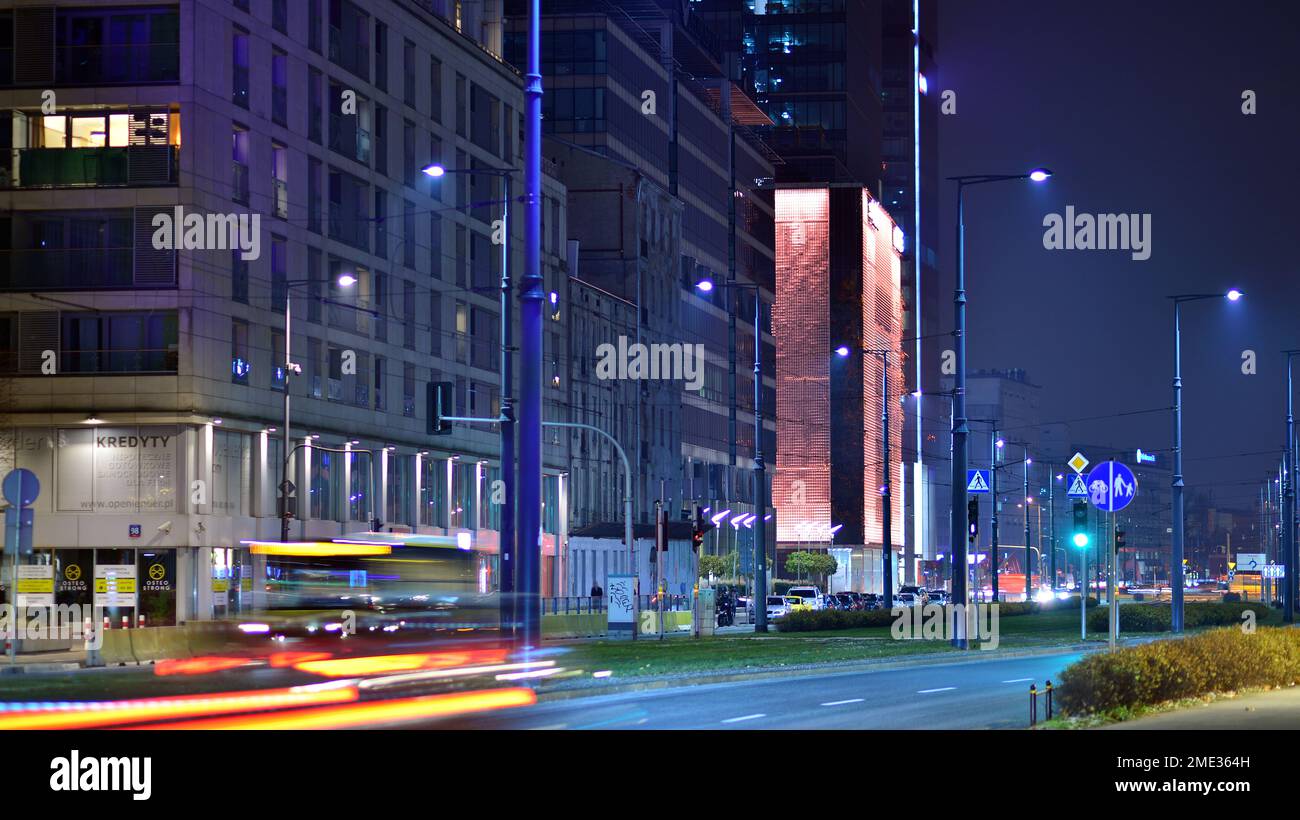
[1119, 540]
[1080, 528]
[973, 518]
[439, 402]
[697, 532]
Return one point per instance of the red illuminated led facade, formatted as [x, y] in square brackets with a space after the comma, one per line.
[838, 282]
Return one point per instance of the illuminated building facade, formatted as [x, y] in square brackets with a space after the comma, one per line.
[838, 284]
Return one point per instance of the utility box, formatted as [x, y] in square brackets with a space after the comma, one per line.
[705, 612]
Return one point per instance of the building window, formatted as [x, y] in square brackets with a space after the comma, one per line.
[380, 364]
[239, 169]
[381, 56]
[118, 342]
[381, 306]
[313, 194]
[238, 277]
[240, 357]
[280, 15]
[313, 25]
[574, 110]
[350, 37]
[81, 250]
[239, 80]
[409, 163]
[280, 179]
[349, 218]
[381, 223]
[314, 79]
[435, 89]
[349, 133]
[408, 73]
[313, 285]
[408, 314]
[408, 390]
[279, 273]
[408, 234]
[461, 103]
[435, 245]
[280, 88]
[381, 139]
[107, 46]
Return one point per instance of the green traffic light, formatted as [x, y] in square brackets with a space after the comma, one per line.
[1080, 539]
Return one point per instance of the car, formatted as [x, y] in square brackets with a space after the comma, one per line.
[811, 594]
[870, 600]
[847, 600]
[915, 591]
[938, 596]
[798, 604]
[777, 607]
[906, 599]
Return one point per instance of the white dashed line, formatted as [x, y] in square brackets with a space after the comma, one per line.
[1018, 680]
[940, 689]
[746, 717]
[842, 702]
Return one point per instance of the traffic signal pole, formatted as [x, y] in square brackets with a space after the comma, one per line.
[993, 532]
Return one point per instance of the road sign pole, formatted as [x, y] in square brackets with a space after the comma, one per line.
[993, 503]
[1083, 594]
[1112, 588]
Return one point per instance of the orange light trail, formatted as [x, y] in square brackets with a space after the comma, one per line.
[197, 666]
[386, 664]
[92, 714]
[369, 713]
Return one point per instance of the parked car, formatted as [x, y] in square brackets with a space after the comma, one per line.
[798, 604]
[906, 599]
[811, 594]
[848, 600]
[917, 592]
[938, 596]
[777, 607]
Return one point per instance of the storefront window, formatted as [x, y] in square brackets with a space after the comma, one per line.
[433, 492]
[156, 574]
[118, 469]
[232, 461]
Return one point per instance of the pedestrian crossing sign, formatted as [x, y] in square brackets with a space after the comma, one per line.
[977, 481]
[1077, 488]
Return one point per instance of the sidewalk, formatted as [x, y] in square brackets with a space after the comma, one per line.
[1278, 709]
[43, 663]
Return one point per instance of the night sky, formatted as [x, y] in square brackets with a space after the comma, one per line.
[1137, 108]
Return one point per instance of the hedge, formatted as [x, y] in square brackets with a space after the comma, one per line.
[1222, 660]
[830, 619]
[1156, 617]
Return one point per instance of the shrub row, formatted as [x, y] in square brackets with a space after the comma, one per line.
[1222, 660]
[1156, 617]
[829, 619]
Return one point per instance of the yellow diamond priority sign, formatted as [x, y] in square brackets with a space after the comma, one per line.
[1078, 463]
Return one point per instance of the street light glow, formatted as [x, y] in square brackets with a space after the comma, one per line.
[434, 171]
[347, 280]
[1233, 295]
[1040, 174]
[842, 351]
[704, 285]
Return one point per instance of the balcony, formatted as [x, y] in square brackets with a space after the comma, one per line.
[131, 166]
[67, 268]
[119, 361]
[239, 182]
[281, 189]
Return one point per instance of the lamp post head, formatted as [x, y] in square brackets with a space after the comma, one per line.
[347, 280]
[1000, 444]
[704, 285]
[842, 351]
[434, 171]
[1233, 295]
[1040, 174]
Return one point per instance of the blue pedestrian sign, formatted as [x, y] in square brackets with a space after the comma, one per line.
[1111, 486]
[1078, 487]
[977, 481]
[20, 488]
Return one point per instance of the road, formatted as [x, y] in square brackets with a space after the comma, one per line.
[968, 695]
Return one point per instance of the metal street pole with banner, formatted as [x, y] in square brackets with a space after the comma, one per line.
[1112, 487]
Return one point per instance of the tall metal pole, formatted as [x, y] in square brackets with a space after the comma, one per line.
[960, 430]
[528, 554]
[760, 472]
[288, 369]
[508, 549]
[887, 557]
[1029, 555]
[1051, 522]
[993, 500]
[1288, 502]
[1176, 559]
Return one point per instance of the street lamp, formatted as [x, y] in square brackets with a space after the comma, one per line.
[1289, 551]
[508, 548]
[345, 280]
[960, 430]
[886, 499]
[1176, 560]
[760, 471]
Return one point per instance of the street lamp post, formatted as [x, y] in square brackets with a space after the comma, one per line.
[886, 517]
[1029, 562]
[508, 546]
[1176, 559]
[960, 429]
[760, 471]
[346, 280]
[1288, 502]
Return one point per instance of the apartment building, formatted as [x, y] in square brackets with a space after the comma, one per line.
[143, 379]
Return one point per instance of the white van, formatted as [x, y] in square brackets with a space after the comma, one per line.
[810, 595]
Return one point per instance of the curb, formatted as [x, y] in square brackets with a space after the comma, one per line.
[39, 668]
[769, 673]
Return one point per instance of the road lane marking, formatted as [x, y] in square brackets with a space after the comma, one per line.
[745, 717]
[1018, 680]
[940, 689]
[842, 702]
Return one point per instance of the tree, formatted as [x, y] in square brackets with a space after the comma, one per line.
[824, 564]
[800, 563]
[715, 565]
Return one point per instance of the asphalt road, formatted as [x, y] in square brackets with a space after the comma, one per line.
[969, 695]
